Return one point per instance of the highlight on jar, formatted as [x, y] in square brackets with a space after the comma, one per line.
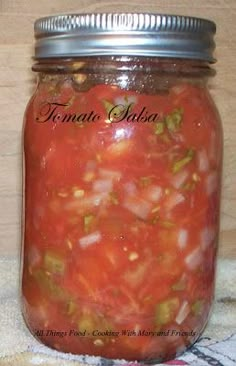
[123, 161]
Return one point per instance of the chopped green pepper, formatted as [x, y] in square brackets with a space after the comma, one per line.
[174, 120]
[107, 105]
[86, 323]
[46, 283]
[179, 286]
[88, 220]
[145, 181]
[71, 307]
[53, 263]
[171, 121]
[154, 220]
[114, 198]
[179, 164]
[197, 307]
[159, 128]
[166, 310]
[166, 224]
[189, 186]
[126, 99]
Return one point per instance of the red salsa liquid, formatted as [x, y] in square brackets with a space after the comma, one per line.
[122, 197]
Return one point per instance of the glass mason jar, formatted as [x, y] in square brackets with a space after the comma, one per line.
[123, 151]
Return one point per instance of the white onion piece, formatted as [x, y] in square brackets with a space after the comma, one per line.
[153, 193]
[130, 188]
[178, 137]
[93, 200]
[207, 236]
[211, 183]
[182, 238]
[183, 312]
[178, 89]
[91, 165]
[90, 239]
[126, 101]
[180, 178]
[86, 202]
[194, 259]
[173, 200]
[138, 206]
[34, 256]
[109, 174]
[102, 185]
[203, 161]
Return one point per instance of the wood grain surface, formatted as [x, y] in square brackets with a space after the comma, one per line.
[17, 82]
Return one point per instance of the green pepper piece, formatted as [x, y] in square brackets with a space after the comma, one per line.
[86, 323]
[71, 307]
[189, 186]
[166, 310]
[197, 307]
[173, 120]
[167, 224]
[88, 220]
[54, 263]
[114, 198]
[179, 286]
[145, 181]
[159, 128]
[107, 105]
[47, 284]
[179, 164]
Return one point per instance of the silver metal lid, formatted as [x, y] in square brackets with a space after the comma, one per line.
[128, 34]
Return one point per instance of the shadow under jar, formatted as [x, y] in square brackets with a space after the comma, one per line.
[123, 152]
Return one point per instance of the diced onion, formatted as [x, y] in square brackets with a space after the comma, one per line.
[133, 256]
[173, 200]
[153, 193]
[211, 183]
[179, 179]
[138, 206]
[34, 256]
[183, 312]
[86, 202]
[134, 277]
[94, 200]
[126, 101]
[130, 188]
[203, 161]
[102, 185]
[91, 165]
[90, 239]
[182, 238]
[110, 174]
[89, 176]
[116, 149]
[98, 342]
[207, 236]
[178, 89]
[193, 260]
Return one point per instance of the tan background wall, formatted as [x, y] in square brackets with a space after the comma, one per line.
[17, 82]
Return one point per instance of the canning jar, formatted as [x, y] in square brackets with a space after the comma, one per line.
[122, 156]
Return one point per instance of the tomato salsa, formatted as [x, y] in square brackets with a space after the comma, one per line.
[122, 197]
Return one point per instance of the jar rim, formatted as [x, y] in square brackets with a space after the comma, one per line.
[125, 34]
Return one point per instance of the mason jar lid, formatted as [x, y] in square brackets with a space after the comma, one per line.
[124, 34]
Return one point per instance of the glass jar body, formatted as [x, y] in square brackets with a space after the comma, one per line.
[122, 193]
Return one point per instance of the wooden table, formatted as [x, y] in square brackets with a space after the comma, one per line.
[17, 84]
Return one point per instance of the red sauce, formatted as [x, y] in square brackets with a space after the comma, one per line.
[121, 219]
